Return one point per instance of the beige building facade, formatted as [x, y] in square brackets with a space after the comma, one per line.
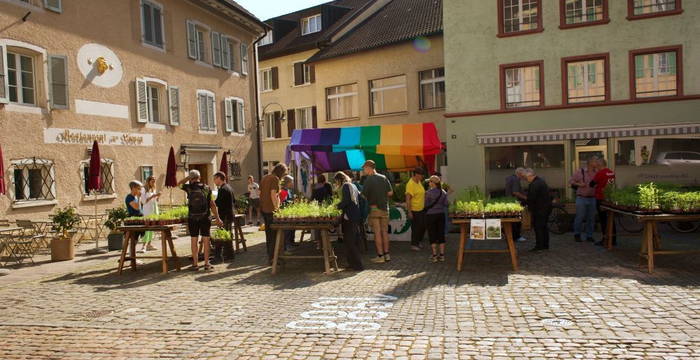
[138, 76]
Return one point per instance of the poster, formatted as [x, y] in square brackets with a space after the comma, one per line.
[493, 229]
[478, 229]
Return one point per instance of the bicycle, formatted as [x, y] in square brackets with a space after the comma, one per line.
[559, 220]
[630, 224]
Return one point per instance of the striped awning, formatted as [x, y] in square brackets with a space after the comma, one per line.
[587, 133]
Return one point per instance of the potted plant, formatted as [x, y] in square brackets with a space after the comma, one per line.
[115, 219]
[223, 237]
[62, 246]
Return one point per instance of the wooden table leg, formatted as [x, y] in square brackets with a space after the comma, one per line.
[279, 244]
[164, 246]
[327, 252]
[657, 237]
[236, 242]
[169, 237]
[125, 245]
[462, 242]
[609, 229]
[649, 237]
[511, 245]
[132, 249]
[240, 231]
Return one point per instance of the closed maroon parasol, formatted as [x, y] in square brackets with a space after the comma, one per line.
[224, 163]
[3, 188]
[171, 174]
[94, 172]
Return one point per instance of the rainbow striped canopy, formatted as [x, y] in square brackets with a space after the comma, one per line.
[392, 147]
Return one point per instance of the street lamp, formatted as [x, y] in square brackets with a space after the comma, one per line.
[184, 158]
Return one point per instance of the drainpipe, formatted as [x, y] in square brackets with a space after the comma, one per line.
[258, 120]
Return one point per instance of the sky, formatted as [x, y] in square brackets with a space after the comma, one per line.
[265, 9]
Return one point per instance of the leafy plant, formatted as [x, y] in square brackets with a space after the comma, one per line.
[221, 235]
[65, 219]
[115, 217]
[648, 196]
[472, 193]
[307, 209]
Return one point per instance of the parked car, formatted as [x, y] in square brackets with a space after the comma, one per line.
[678, 158]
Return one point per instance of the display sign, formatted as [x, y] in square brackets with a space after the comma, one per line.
[493, 229]
[477, 229]
[86, 137]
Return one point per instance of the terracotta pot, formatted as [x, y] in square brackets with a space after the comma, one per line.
[63, 247]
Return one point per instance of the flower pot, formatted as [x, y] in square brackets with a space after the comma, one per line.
[63, 247]
[115, 240]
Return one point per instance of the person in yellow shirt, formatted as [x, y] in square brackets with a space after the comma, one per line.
[415, 202]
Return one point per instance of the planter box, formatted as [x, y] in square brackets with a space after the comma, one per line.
[63, 248]
[115, 241]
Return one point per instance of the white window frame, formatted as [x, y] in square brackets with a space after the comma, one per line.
[86, 164]
[337, 98]
[149, 98]
[306, 121]
[40, 57]
[433, 82]
[264, 86]
[19, 85]
[244, 58]
[379, 91]
[270, 126]
[236, 106]
[267, 40]
[306, 28]
[199, 41]
[154, 44]
[306, 73]
[211, 122]
[27, 201]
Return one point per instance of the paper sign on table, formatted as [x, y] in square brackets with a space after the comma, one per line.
[493, 229]
[477, 229]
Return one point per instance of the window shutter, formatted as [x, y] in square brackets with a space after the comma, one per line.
[244, 59]
[291, 122]
[174, 98]
[278, 124]
[228, 112]
[202, 104]
[312, 73]
[141, 101]
[275, 78]
[240, 110]
[216, 48]
[158, 26]
[225, 52]
[53, 5]
[3, 76]
[58, 80]
[211, 113]
[191, 40]
[235, 56]
[314, 118]
[298, 74]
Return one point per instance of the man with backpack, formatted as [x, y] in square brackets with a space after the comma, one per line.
[200, 204]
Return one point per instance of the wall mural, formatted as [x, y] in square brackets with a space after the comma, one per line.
[99, 65]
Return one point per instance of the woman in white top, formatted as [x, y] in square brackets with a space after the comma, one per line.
[149, 206]
[253, 201]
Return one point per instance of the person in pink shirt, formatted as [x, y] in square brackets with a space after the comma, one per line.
[585, 201]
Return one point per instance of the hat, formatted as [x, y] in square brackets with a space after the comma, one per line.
[370, 164]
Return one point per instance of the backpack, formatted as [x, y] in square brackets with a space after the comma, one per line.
[364, 208]
[198, 202]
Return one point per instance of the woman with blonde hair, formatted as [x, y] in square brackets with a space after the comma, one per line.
[149, 206]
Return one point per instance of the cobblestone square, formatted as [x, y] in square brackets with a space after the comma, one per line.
[575, 301]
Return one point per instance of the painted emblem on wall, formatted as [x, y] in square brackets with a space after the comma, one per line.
[99, 65]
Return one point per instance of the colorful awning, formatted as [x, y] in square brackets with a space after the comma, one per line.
[392, 147]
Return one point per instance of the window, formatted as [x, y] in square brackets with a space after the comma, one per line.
[303, 118]
[152, 23]
[432, 89]
[229, 53]
[216, 48]
[146, 172]
[575, 13]
[656, 72]
[388, 95]
[153, 105]
[33, 179]
[271, 126]
[311, 24]
[106, 174]
[244, 59]
[547, 160]
[518, 17]
[586, 79]
[341, 102]
[195, 41]
[21, 79]
[266, 79]
[53, 5]
[522, 85]
[664, 158]
[304, 74]
[206, 110]
[641, 9]
[267, 40]
[235, 115]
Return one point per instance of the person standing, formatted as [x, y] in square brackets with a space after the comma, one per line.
[149, 206]
[435, 204]
[603, 177]
[539, 202]
[415, 202]
[351, 219]
[269, 203]
[377, 190]
[585, 201]
[200, 206]
[225, 202]
[133, 205]
[287, 197]
[253, 201]
[514, 190]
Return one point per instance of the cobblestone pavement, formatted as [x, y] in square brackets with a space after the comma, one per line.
[575, 301]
